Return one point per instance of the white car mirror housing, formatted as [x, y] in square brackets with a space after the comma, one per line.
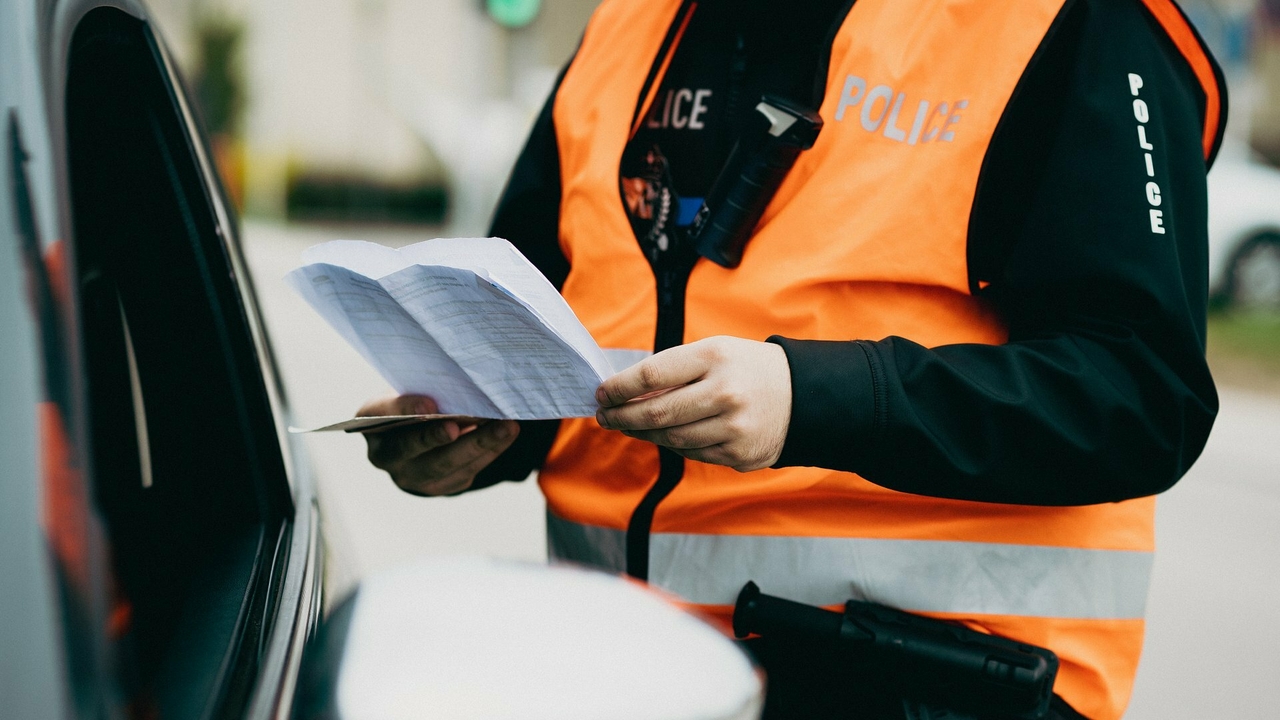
[498, 640]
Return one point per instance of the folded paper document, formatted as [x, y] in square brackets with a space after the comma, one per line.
[467, 321]
[378, 423]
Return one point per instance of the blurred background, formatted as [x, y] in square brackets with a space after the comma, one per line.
[397, 120]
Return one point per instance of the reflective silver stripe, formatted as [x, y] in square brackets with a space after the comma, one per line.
[921, 575]
[599, 547]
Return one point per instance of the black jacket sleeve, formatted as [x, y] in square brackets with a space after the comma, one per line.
[1102, 392]
[528, 215]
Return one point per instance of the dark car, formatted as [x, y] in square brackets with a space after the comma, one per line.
[159, 535]
[159, 549]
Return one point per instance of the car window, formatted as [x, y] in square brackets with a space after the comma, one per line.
[186, 468]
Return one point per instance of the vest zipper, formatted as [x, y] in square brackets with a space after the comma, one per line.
[671, 270]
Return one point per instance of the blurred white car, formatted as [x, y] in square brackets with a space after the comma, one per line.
[1244, 230]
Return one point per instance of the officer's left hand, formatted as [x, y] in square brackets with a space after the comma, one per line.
[722, 400]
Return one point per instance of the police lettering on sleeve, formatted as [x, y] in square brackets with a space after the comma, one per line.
[1088, 235]
[1142, 114]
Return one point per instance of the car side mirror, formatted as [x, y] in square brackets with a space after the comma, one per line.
[497, 640]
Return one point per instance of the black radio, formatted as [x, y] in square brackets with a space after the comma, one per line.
[759, 162]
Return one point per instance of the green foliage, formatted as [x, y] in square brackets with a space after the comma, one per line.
[319, 197]
[219, 78]
[1252, 336]
[512, 13]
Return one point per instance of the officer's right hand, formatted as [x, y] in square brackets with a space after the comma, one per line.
[434, 458]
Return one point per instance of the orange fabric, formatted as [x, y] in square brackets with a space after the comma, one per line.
[866, 238]
[120, 619]
[65, 501]
[55, 263]
[1184, 38]
[810, 502]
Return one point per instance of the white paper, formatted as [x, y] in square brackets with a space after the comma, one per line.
[380, 423]
[388, 338]
[467, 321]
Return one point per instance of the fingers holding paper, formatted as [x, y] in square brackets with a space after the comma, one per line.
[434, 458]
[722, 400]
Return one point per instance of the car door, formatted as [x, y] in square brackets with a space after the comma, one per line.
[179, 524]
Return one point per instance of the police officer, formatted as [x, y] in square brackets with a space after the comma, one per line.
[964, 347]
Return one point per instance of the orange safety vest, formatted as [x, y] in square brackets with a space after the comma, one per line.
[866, 238]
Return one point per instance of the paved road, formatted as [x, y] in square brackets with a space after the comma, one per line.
[1213, 630]
[1213, 647]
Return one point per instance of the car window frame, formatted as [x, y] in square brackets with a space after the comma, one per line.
[292, 561]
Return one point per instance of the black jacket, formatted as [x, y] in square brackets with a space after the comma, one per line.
[1102, 392]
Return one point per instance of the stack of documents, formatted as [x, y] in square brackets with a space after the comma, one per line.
[467, 321]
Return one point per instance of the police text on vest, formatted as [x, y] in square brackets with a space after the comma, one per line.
[882, 105]
[679, 108]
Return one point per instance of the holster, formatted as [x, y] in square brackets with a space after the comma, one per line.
[921, 658]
